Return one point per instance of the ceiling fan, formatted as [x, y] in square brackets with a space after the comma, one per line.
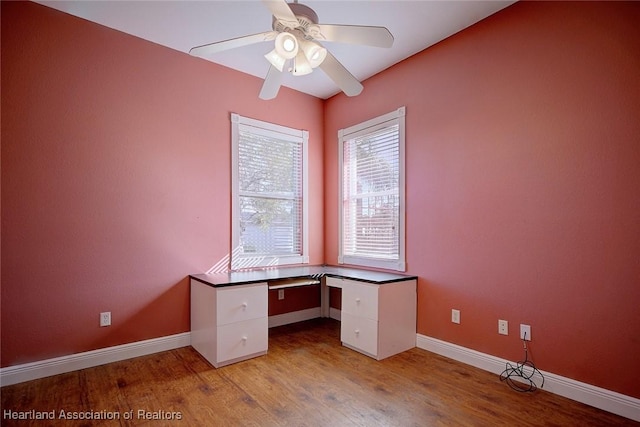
[296, 33]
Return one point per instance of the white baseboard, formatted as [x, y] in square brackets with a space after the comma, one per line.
[73, 362]
[588, 394]
[294, 316]
[604, 399]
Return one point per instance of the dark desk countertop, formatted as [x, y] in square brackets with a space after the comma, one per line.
[275, 273]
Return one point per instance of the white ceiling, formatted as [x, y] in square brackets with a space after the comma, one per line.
[182, 25]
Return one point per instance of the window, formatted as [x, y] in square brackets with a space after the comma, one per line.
[269, 187]
[371, 156]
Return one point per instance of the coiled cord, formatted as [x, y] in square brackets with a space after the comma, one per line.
[520, 377]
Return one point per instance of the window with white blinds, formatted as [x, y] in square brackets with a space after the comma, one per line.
[269, 207]
[372, 192]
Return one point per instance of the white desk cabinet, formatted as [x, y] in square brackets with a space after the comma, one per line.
[229, 311]
[378, 320]
[229, 324]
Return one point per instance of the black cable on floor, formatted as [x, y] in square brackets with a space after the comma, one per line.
[520, 377]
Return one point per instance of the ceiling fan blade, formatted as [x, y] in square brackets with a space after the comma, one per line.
[271, 84]
[341, 76]
[280, 10]
[211, 48]
[355, 34]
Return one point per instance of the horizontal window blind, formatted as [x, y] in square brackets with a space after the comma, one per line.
[270, 190]
[371, 220]
[371, 202]
[269, 200]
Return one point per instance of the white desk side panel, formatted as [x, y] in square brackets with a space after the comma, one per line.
[203, 320]
[397, 321]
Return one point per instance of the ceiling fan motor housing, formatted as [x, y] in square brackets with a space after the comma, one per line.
[306, 17]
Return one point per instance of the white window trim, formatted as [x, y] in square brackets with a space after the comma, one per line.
[397, 116]
[283, 132]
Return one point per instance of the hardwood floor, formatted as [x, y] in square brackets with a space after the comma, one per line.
[306, 379]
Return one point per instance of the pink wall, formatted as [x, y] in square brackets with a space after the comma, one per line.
[522, 164]
[523, 178]
[115, 180]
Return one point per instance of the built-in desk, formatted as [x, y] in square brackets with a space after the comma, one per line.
[229, 320]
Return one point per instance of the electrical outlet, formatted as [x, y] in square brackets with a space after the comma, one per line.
[105, 318]
[455, 315]
[280, 293]
[525, 332]
[503, 327]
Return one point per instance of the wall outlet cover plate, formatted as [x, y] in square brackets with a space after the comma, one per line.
[455, 316]
[525, 332]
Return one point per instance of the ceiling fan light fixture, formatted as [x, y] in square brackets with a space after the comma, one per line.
[314, 53]
[286, 45]
[276, 60]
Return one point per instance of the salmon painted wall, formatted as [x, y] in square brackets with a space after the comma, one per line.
[523, 178]
[115, 180]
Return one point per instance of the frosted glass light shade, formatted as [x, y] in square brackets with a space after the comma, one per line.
[314, 53]
[286, 45]
[275, 60]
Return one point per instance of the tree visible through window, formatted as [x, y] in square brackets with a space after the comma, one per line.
[269, 203]
[372, 192]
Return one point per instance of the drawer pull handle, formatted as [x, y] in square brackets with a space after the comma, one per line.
[244, 305]
[358, 300]
[357, 331]
[244, 340]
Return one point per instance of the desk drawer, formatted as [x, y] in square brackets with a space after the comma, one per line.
[360, 299]
[360, 334]
[240, 303]
[242, 338]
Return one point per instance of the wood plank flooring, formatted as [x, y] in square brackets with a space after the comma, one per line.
[306, 379]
